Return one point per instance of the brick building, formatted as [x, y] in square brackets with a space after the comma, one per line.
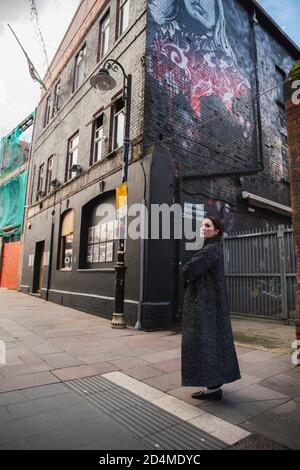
[14, 155]
[207, 126]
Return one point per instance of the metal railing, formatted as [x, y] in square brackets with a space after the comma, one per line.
[260, 269]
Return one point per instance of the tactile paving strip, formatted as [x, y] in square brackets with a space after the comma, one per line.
[153, 426]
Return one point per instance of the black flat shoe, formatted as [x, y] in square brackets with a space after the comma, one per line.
[203, 395]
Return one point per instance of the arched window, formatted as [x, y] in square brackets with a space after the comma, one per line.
[99, 233]
[66, 240]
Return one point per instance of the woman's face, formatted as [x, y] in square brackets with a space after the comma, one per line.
[208, 229]
[203, 11]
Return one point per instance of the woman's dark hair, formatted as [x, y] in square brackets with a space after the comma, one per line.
[217, 224]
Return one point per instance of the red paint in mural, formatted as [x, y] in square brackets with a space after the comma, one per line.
[196, 73]
[197, 66]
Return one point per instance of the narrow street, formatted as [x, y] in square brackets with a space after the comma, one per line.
[72, 382]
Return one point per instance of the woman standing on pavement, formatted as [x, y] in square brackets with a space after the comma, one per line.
[208, 354]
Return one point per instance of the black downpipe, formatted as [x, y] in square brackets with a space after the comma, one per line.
[254, 23]
[177, 317]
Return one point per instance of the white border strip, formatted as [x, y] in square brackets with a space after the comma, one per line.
[136, 302]
[217, 427]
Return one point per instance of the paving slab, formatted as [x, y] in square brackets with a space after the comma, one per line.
[276, 428]
[25, 381]
[142, 372]
[71, 344]
[263, 369]
[60, 360]
[253, 393]
[166, 381]
[283, 383]
[241, 412]
[34, 407]
[70, 373]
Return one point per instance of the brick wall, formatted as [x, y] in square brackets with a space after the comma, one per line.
[77, 108]
[199, 97]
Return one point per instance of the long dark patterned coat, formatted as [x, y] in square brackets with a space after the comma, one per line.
[208, 354]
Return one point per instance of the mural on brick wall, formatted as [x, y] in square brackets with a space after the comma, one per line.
[190, 54]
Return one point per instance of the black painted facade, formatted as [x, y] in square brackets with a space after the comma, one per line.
[197, 127]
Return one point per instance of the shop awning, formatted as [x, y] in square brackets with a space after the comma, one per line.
[264, 203]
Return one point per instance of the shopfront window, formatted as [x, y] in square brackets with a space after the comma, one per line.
[66, 241]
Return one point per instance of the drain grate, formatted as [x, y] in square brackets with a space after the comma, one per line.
[153, 426]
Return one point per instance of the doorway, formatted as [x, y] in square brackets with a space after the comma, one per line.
[9, 270]
[38, 267]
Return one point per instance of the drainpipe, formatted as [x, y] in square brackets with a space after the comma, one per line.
[138, 325]
[26, 205]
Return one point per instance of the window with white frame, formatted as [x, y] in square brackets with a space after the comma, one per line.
[66, 241]
[123, 16]
[40, 187]
[118, 123]
[72, 156]
[98, 139]
[80, 64]
[49, 174]
[104, 35]
[56, 96]
[48, 111]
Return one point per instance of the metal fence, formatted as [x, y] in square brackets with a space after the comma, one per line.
[260, 270]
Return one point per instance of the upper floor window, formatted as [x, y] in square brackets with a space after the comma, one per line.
[72, 156]
[80, 64]
[98, 139]
[48, 111]
[123, 16]
[56, 97]
[118, 123]
[104, 35]
[49, 174]
[40, 186]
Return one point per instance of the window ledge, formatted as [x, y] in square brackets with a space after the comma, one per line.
[94, 270]
[112, 154]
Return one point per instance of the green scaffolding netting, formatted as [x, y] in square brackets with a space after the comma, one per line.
[14, 151]
[12, 155]
[12, 196]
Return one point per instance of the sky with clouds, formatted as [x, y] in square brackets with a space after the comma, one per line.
[19, 94]
[287, 14]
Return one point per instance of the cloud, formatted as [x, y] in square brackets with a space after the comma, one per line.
[286, 14]
[18, 11]
[19, 94]
[13, 10]
[2, 93]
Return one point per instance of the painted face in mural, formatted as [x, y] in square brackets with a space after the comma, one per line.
[208, 229]
[203, 11]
